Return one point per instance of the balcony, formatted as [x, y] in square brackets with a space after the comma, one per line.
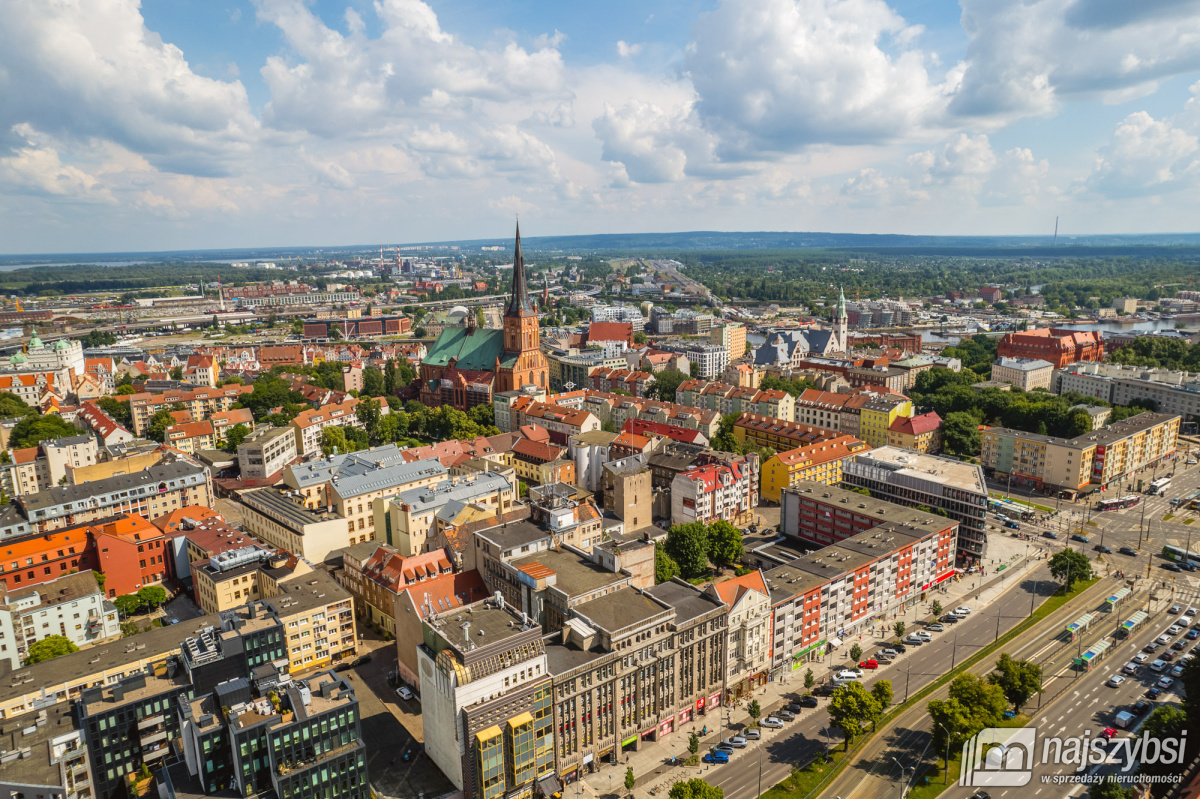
[150, 721]
[154, 738]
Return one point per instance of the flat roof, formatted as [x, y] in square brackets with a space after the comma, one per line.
[35, 731]
[864, 505]
[958, 474]
[561, 658]
[688, 601]
[495, 624]
[622, 608]
[513, 534]
[275, 503]
[575, 574]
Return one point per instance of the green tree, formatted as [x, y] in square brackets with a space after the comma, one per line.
[1019, 679]
[851, 708]
[419, 332]
[152, 596]
[936, 608]
[48, 648]
[32, 430]
[695, 788]
[630, 780]
[156, 429]
[898, 629]
[882, 692]
[1167, 721]
[128, 604]
[389, 377]
[856, 652]
[609, 426]
[687, 544]
[665, 384]
[725, 440]
[953, 725]
[693, 743]
[374, 384]
[754, 709]
[987, 701]
[368, 414]
[126, 389]
[1070, 566]
[960, 434]
[130, 628]
[12, 406]
[234, 437]
[177, 373]
[665, 568]
[639, 338]
[810, 679]
[120, 411]
[483, 415]
[724, 543]
[1108, 789]
[334, 439]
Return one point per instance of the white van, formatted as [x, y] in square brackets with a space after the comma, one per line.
[1158, 665]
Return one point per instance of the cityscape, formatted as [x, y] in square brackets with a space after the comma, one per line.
[401, 400]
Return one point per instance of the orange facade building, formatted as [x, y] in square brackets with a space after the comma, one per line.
[1055, 345]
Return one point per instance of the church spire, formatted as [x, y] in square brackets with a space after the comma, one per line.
[520, 294]
[841, 305]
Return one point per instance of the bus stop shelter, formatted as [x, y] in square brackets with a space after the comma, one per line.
[1093, 655]
[1079, 625]
[1132, 623]
[1110, 604]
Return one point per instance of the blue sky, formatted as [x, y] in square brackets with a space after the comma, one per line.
[223, 123]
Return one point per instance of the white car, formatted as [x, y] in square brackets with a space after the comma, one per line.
[962, 610]
[1164, 639]
[1174, 629]
[1192, 611]
[1115, 681]
[924, 636]
[1165, 683]
[1186, 621]
[771, 721]
[404, 693]
[736, 741]
[1177, 671]
[847, 674]
[1130, 668]
[1141, 657]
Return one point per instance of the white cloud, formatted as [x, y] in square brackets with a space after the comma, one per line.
[91, 68]
[1146, 156]
[627, 50]
[37, 169]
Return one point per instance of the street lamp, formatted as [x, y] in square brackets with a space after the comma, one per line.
[946, 761]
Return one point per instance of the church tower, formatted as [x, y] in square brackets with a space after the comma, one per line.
[839, 324]
[522, 363]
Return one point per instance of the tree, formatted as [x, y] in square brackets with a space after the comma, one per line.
[936, 608]
[368, 413]
[630, 780]
[483, 415]
[693, 743]
[374, 384]
[1108, 789]
[687, 544]
[334, 438]
[1167, 721]
[152, 596]
[128, 604]
[130, 629]
[1069, 566]
[1019, 679]
[898, 629]
[664, 385]
[609, 426]
[157, 428]
[725, 440]
[856, 652]
[986, 701]
[695, 788]
[953, 725]
[126, 389]
[960, 434]
[419, 332]
[48, 648]
[810, 679]
[851, 708]
[665, 568]
[755, 710]
[882, 691]
[234, 437]
[724, 543]
[639, 338]
[177, 373]
[12, 406]
[32, 430]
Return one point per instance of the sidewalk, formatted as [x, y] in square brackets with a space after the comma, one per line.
[651, 764]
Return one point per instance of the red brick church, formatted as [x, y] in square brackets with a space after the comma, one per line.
[466, 366]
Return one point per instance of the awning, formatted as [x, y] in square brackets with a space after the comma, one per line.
[549, 785]
[835, 642]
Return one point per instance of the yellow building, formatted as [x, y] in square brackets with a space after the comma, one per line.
[731, 336]
[819, 463]
[877, 417]
[922, 433]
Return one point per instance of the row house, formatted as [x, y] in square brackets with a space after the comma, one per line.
[619, 409]
[818, 463]
[308, 425]
[561, 422]
[726, 399]
[719, 486]
[191, 437]
[202, 402]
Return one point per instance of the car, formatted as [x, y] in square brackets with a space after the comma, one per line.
[808, 701]
[1108, 734]
[1177, 671]
[1080, 537]
[771, 721]
[962, 610]
[1103, 550]
[342, 667]
[913, 640]
[1153, 693]
[1139, 707]
[891, 651]
[1179, 645]
[824, 690]
[1167, 656]
[360, 660]
[1130, 668]
[1191, 612]
[1191, 461]
[1150, 647]
[924, 636]
[793, 707]
[1050, 534]
[718, 758]
[981, 795]
[170, 621]
[1175, 609]
[1139, 658]
[1192, 635]
[1165, 683]
[1188, 566]
[1172, 567]
[403, 692]
[868, 664]
[847, 674]
[935, 627]
[1163, 639]
[1128, 551]
[1115, 681]
[951, 618]
[753, 734]
[1185, 620]
[1010, 524]
[723, 749]
[786, 715]
[1174, 629]
[736, 741]
[1000, 517]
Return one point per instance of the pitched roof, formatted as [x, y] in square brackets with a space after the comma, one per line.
[733, 589]
[469, 348]
[610, 331]
[537, 450]
[189, 430]
[917, 425]
[431, 597]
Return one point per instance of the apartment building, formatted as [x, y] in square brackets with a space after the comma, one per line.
[540, 462]
[634, 382]
[573, 367]
[748, 649]
[50, 760]
[922, 433]
[778, 434]
[283, 520]
[419, 600]
[877, 416]
[818, 463]
[221, 422]
[48, 464]
[191, 437]
[31, 560]
[376, 574]
[1024, 373]
[732, 337]
[265, 452]
[562, 423]
[413, 521]
[72, 606]
[906, 477]
[308, 425]
[1089, 461]
[1171, 391]
[707, 360]
[201, 402]
[725, 398]
[718, 486]
[619, 409]
[318, 617]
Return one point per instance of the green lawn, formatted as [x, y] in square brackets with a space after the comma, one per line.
[1188, 521]
[808, 780]
[1168, 517]
[928, 790]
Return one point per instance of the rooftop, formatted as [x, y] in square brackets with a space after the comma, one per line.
[514, 534]
[623, 608]
[67, 588]
[688, 601]
[463, 489]
[957, 474]
[61, 495]
[275, 503]
[574, 574]
[35, 731]
[475, 626]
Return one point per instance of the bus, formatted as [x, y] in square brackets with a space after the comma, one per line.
[1159, 487]
[1119, 502]
[1180, 555]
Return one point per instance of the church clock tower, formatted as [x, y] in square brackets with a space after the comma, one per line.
[522, 363]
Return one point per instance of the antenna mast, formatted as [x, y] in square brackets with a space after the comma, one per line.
[1055, 243]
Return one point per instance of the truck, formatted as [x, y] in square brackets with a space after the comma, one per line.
[1125, 719]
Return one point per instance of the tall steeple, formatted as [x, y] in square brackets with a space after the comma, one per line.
[840, 326]
[841, 305]
[520, 304]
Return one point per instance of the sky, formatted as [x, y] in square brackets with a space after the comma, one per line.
[187, 124]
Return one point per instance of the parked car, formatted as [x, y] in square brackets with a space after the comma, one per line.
[891, 652]
[808, 701]
[1139, 658]
[1175, 609]
[786, 715]
[403, 692]
[924, 636]
[899, 647]
[962, 610]
[1108, 734]
[361, 660]
[935, 627]
[913, 640]
[1130, 668]
[1172, 567]
[1165, 683]
[752, 734]
[951, 618]
[1103, 550]
[1174, 629]
[848, 674]
[1080, 537]
[1179, 645]
[1128, 551]
[1153, 693]
[1163, 639]
[724, 749]
[793, 707]
[1115, 681]
[1140, 707]
[715, 757]
[1177, 671]
[772, 721]
[1167, 656]
[868, 664]
[1192, 612]
[1185, 619]
[736, 741]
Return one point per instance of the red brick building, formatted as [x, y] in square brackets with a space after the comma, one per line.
[1058, 346]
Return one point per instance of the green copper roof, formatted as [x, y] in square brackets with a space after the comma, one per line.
[841, 305]
[478, 350]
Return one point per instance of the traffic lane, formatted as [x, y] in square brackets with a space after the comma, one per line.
[795, 743]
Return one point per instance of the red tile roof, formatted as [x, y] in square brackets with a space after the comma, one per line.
[917, 425]
[732, 590]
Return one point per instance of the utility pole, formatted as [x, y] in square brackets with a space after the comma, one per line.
[1140, 524]
[953, 650]
[907, 677]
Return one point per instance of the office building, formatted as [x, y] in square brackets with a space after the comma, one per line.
[1024, 373]
[265, 452]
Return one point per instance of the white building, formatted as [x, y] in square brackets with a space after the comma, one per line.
[708, 360]
[716, 488]
[1172, 391]
[1024, 373]
[748, 648]
[266, 451]
[620, 313]
[72, 606]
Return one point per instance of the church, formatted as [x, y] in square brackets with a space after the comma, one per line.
[466, 366]
[786, 348]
